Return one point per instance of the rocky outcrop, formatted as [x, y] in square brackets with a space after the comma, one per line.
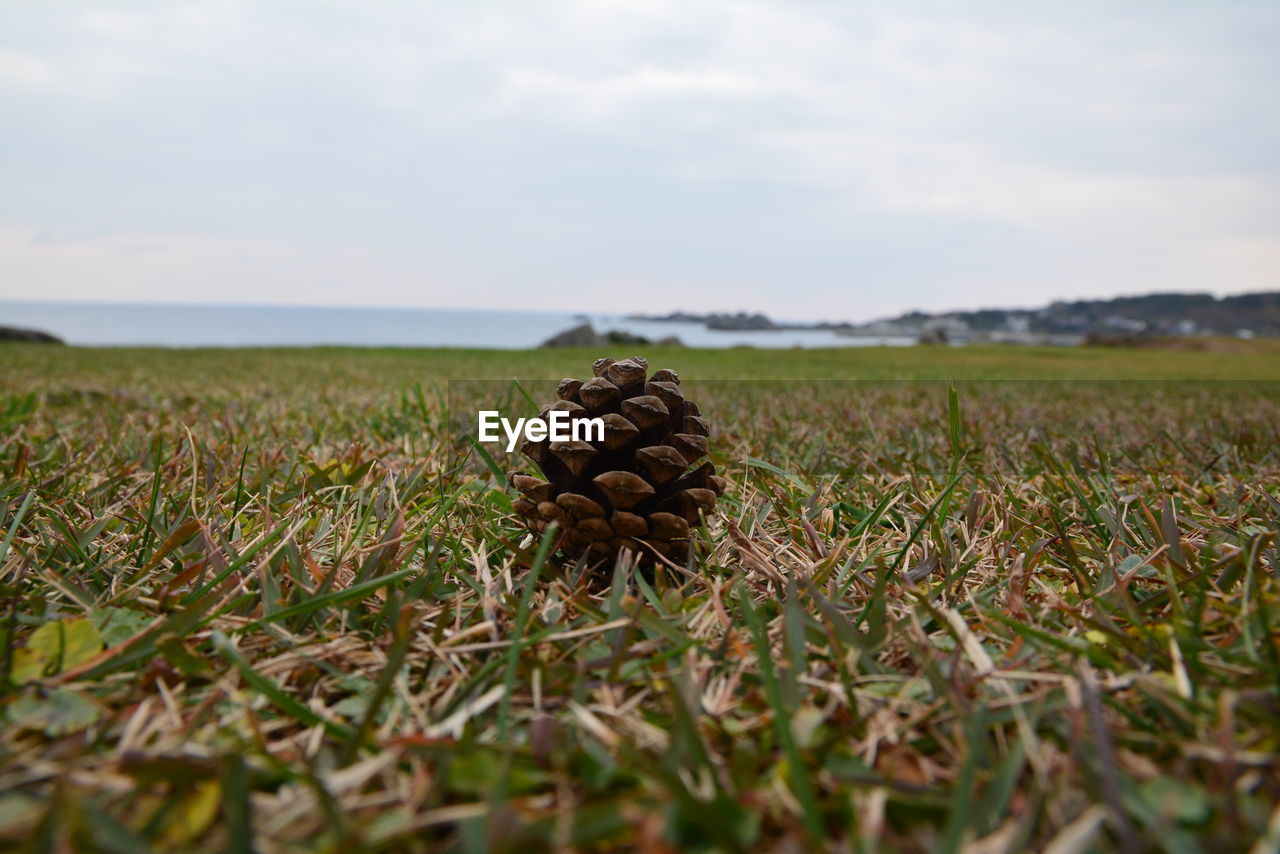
[720, 320]
[31, 336]
[740, 322]
[585, 335]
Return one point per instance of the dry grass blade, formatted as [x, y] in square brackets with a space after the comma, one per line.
[277, 601]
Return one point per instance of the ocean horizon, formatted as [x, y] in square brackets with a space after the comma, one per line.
[179, 325]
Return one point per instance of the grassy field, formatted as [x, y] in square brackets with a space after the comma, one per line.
[981, 599]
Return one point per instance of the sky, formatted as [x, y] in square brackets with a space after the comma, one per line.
[820, 160]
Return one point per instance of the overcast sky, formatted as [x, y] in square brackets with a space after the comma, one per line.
[806, 159]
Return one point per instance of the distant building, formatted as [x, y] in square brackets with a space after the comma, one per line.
[1123, 324]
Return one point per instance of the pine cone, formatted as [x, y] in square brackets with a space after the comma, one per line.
[633, 490]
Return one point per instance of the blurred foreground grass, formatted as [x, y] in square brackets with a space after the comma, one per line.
[267, 599]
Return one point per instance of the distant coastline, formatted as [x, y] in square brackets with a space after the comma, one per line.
[1125, 319]
[188, 326]
[1145, 320]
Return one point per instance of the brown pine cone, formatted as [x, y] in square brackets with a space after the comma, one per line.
[636, 488]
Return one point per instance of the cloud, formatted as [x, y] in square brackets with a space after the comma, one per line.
[141, 267]
[878, 155]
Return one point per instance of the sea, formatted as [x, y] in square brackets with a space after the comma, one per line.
[157, 325]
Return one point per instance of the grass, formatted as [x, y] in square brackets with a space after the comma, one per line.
[269, 600]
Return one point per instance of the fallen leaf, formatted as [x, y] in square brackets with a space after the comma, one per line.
[60, 713]
[54, 647]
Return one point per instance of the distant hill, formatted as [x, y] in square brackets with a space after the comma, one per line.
[1246, 315]
[1121, 320]
[35, 336]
